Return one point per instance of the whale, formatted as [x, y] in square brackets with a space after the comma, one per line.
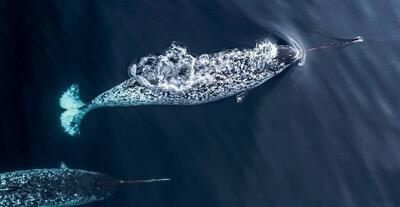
[57, 187]
[177, 77]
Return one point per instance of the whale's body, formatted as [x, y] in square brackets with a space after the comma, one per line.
[58, 187]
[178, 78]
[54, 187]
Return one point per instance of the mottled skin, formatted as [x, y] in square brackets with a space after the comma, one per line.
[213, 77]
[178, 78]
[54, 187]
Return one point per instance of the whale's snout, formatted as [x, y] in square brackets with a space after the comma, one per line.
[286, 55]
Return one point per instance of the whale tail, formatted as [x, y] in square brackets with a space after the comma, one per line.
[75, 110]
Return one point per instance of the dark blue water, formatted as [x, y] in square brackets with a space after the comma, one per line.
[323, 134]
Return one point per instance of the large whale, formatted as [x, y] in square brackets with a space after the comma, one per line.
[179, 78]
[58, 187]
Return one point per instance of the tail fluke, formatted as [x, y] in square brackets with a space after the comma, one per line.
[75, 110]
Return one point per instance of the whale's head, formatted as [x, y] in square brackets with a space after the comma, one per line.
[286, 56]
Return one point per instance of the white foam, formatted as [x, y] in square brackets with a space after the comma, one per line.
[176, 69]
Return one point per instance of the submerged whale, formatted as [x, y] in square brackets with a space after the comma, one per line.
[58, 187]
[179, 78]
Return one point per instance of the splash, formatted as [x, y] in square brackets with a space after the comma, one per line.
[177, 70]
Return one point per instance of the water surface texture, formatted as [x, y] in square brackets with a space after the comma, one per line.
[323, 134]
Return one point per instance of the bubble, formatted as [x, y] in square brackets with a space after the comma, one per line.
[176, 69]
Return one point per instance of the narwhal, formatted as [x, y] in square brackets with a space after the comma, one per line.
[58, 187]
[179, 78]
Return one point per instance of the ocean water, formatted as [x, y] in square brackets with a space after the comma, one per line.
[322, 134]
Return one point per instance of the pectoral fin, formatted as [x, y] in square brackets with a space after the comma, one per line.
[241, 96]
[63, 166]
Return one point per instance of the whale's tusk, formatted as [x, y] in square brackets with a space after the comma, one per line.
[341, 43]
[144, 181]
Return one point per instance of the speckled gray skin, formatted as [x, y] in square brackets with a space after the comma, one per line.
[54, 187]
[178, 78]
[204, 79]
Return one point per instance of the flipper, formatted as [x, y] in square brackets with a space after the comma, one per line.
[241, 96]
[63, 166]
